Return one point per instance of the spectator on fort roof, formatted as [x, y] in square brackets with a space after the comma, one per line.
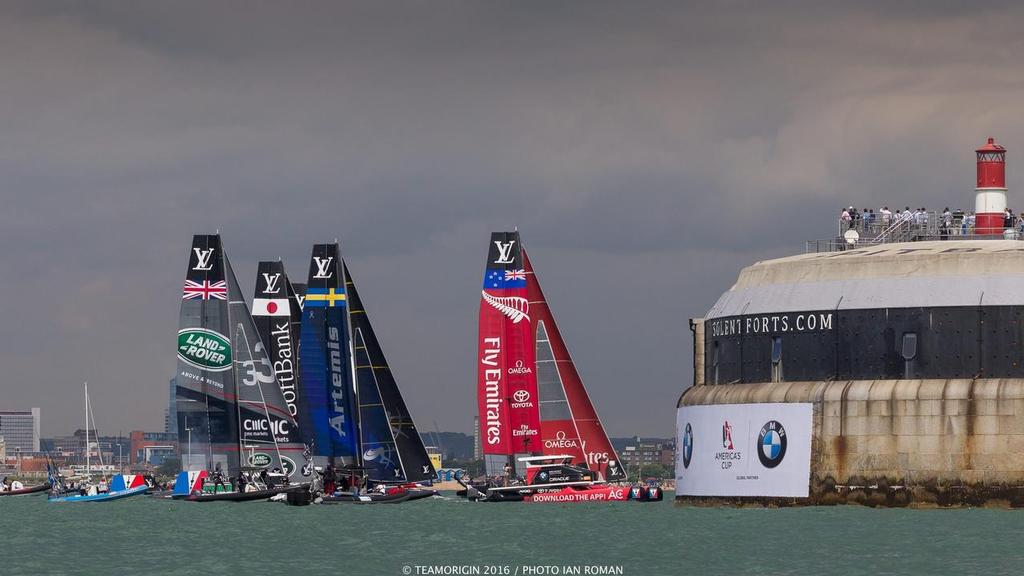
[886, 215]
[1007, 218]
[847, 217]
[869, 219]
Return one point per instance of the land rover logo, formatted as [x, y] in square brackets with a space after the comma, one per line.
[259, 459]
[521, 396]
[288, 464]
[772, 444]
[687, 445]
[204, 349]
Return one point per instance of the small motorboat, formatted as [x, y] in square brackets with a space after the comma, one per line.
[121, 486]
[19, 489]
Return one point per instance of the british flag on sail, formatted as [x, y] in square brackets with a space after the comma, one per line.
[205, 290]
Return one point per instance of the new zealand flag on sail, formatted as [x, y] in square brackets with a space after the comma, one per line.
[500, 279]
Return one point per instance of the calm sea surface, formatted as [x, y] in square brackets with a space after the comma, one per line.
[149, 536]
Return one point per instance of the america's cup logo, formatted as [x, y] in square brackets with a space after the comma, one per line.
[203, 259]
[323, 266]
[504, 251]
[271, 281]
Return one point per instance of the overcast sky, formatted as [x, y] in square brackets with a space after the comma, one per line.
[646, 151]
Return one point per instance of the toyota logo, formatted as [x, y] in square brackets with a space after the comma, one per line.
[521, 396]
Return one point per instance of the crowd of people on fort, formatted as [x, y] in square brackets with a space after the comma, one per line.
[950, 222]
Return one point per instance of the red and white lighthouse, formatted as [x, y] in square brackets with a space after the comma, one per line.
[990, 194]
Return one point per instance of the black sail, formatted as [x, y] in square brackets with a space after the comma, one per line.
[278, 317]
[268, 432]
[392, 447]
[300, 292]
[205, 380]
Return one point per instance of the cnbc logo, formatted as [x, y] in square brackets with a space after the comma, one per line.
[204, 349]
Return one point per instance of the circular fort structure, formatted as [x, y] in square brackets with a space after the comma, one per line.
[907, 357]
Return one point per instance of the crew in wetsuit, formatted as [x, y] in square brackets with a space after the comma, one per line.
[508, 474]
[241, 482]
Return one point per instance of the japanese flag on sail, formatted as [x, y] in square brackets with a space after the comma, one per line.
[270, 307]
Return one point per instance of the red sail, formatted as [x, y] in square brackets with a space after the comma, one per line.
[569, 423]
[506, 382]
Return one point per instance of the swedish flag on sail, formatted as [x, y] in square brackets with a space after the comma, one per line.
[325, 297]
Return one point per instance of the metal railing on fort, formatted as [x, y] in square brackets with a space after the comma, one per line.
[913, 227]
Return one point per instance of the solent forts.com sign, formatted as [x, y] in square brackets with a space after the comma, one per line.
[743, 450]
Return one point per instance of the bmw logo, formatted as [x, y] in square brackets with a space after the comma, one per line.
[772, 444]
[687, 445]
[543, 475]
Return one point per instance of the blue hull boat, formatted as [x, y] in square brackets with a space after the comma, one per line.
[103, 497]
[119, 488]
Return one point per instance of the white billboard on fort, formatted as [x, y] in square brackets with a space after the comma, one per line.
[744, 450]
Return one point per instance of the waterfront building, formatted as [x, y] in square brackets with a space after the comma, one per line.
[20, 430]
[152, 447]
[171, 413]
[647, 451]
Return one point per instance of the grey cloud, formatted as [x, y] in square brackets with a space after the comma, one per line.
[647, 152]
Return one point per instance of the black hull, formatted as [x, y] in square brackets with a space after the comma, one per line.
[241, 496]
[366, 499]
[420, 493]
[29, 490]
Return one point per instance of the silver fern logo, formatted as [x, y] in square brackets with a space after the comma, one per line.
[515, 307]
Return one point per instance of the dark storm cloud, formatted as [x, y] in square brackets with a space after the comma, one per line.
[646, 151]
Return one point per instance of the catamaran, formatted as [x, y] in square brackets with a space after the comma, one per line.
[120, 485]
[233, 418]
[542, 439]
[351, 412]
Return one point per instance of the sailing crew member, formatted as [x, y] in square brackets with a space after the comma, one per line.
[508, 473]
[218, 479]
[329, 479]
[5, 485]
[241, 482]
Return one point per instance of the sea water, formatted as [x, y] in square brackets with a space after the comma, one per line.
[144, 535]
